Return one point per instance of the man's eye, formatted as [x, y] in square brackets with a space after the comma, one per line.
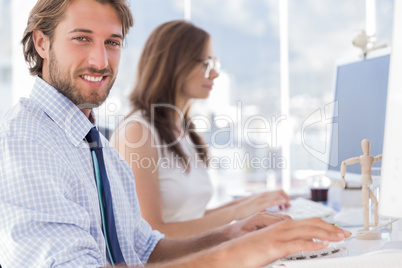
[80, 38]
[113, 43]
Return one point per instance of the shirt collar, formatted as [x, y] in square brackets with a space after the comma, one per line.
[61, 110]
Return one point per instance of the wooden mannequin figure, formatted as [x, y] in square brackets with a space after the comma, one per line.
[366, 162]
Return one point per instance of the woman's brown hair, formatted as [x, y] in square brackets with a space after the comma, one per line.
[171, 53]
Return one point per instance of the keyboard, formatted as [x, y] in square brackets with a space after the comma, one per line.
[334, 249]
[303, 208]
[377, 258]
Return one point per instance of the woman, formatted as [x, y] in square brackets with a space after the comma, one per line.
[168, 158]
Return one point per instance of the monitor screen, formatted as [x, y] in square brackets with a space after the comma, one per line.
[390, 201]
[360, 103]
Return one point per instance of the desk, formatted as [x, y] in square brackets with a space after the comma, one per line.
[353, 247]
[340, 200]
[344, 200]
[358, 253]
[391, 234]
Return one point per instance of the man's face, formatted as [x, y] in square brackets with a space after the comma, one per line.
[83, 57]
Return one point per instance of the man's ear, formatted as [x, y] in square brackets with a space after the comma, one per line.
[42, 43]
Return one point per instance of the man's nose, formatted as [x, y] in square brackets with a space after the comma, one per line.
[98, 57]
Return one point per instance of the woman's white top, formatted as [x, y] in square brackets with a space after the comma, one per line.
[184, 195]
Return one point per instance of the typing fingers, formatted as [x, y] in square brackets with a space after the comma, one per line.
[281, 198]
[276, 201]
[279, 216]
[297, 245]
[286, 197]
[312, 228]
[264, 219]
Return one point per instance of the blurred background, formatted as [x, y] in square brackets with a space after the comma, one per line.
[278, 61]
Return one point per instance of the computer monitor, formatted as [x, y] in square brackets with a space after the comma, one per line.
[359, 111]
[390, 200]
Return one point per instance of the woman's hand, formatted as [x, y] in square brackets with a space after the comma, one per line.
[250, 205]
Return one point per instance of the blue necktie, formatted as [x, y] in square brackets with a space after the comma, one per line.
[105, 198]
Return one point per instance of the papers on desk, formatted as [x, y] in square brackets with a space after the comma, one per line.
[381, 258]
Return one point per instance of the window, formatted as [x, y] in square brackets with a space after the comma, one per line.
[244, 107]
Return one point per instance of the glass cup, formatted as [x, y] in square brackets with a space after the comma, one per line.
[319, 186]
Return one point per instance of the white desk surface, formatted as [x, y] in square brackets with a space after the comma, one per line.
[340, 200]
[356, 246]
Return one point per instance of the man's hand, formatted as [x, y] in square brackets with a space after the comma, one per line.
[253, 223]
[261, 247]
[286, 237]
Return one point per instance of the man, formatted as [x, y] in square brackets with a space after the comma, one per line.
[49, 207]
